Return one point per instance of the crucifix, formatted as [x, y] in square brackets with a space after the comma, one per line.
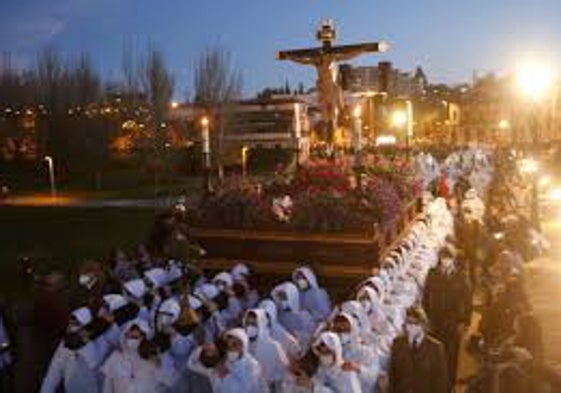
[323, 58]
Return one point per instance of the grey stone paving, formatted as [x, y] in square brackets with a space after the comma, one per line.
[543, 285]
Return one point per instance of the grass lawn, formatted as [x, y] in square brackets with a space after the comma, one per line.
[62, 237]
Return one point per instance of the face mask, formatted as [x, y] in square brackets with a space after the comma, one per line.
[345, 338]
[132, 344]
[447, 264]
[252, 331]
[284, 305]
[86, 280]
[232, 356]
[366, 305]
[414, 331]
[302, 284]
[73, 328]
[326, 360]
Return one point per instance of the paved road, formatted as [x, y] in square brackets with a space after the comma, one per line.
[543, 280]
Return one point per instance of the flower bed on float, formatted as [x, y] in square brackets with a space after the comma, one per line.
[317, 213]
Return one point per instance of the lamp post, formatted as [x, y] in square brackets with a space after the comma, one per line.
[245, 149]
[534, 81]
[503, 127]
[357, 144]
[205, 149]
[399, 121]
[530, 167]
[49, 160]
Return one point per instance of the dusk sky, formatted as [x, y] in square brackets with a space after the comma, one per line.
[450, 39]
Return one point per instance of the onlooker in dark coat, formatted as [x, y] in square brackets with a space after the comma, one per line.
[418, 363]
[447, 301]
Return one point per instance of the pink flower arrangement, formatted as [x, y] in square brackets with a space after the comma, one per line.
[323, 195]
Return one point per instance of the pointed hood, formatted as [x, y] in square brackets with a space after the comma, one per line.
[223, 277]
[174, 271]
[355, 310]
[241, 335]
[308, 273]
[114, 302]
[240, 271]
[157, 277]
[291, 292]
[377, 308]
[377, 285]
[270, 309]
[332, 341]
[171, 308]
[207, 292]
[83, 316]
[261, 319]
[355, 331]
[141, 324]
[135, 288]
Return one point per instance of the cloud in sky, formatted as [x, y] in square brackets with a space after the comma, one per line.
[39, 22]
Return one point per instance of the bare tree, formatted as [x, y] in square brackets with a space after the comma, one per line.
[131, 73]
[86, 81]
[216, 80]
[217, 85]
[49, 70]
[158, 85]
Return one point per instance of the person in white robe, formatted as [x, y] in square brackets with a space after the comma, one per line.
[126, 371]
[75, 362]
[313, 298]
[243, 276]
[237, 372]
[357, 355]
[268, 352]
[278, 332]
[297, 321]
[232, 313]
[332, 373]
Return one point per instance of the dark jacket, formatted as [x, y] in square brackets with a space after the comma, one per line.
[419, 370]
[447, 300]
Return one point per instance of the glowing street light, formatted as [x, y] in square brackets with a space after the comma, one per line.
[357, 128]
[399, 119]
[504, 124]
[245, 150]
[544, 181]
[174, 105]
[529, 166]
[386, 140]
[534, 80]
[205, 147]
[49, 161]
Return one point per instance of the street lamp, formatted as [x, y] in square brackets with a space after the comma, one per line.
[357, 143]
[534, 81]
[357, 129]
[399, 119]
[404, 119]
[530, 167]
[205, 149]
[245, 149]
[49, 160]
[504, 124]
